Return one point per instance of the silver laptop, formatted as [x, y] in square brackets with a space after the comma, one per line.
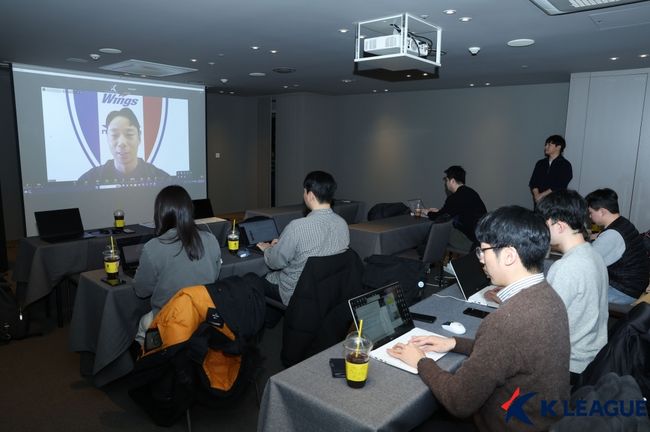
[414, 204]
[386, 322]
[472, 281]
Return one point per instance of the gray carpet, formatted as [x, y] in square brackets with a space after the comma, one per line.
[41, 390]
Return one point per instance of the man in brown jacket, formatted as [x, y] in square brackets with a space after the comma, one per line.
[521, 352]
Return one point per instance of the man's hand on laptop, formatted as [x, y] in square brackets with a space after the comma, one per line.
[413, 352]
[265, 245]
[491, 295]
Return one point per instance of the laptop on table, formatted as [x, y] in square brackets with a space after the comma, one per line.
[472, 281]
[415, 204]
[130, 249]
[255, 231]
[56, 226]
[386, 322]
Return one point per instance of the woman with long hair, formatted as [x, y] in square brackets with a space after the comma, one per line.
[180, 256]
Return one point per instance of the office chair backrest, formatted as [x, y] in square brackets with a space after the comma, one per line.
[318, 315]
[436, 246]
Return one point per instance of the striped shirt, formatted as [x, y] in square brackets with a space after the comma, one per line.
[514, 288]
[321, 233]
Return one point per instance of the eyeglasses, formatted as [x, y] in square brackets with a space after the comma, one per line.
[480, 252]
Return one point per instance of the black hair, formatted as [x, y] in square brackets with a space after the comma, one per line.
[174, 209]
[603, 198]
[456, 172]
[520, 228]
[558, 140]
[127, 114]
[322, 184]
[566, 206]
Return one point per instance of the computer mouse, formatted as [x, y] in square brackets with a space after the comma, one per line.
[454, 327]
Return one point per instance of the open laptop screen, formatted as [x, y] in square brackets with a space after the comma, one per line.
[256, 231]
[384, 313]
[59, 225]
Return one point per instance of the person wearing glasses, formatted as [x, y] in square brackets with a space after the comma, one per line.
[521, 350]
[553, 172]
[463, 205]
[579, 276]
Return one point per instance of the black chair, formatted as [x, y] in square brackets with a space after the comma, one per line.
[384, 210]
[318, 315]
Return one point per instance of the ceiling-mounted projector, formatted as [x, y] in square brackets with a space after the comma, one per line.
[390, 44]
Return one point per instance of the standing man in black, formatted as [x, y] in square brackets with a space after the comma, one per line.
[465, 207]
[552, 173]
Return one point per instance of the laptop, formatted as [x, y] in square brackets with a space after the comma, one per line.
[415, 204]
[255, 231]
[386, 322]
[472, 281]
[202, 208]
[56, 226]
[130, 250]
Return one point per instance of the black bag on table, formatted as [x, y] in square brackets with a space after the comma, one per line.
[382, 270]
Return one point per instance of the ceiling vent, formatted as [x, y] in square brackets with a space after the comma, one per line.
[558, 7]
[139, 67]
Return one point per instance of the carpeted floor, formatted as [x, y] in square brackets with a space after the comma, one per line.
[41, 390]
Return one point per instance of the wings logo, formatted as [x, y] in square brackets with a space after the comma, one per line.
[514, 407]
[84, 112]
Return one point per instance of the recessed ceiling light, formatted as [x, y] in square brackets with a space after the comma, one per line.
[487, 84]
[425, 74]
[362, 36]
[220, 54]
[465, 19]
[211, 63]
[346, 81]
[273, 51]
[343, 30]
[76, 60]
[284, 70]
[524, 66]
[285, 86]
[613, 58]
[408, 76]
[471, 84]
[643, 55]
[232, 92]
[221, 91]
[449, 11]
[424, 16]
[110, 50]
[385, 90]
[193, 60]
[296, 85]
[257, 74]
[255, 47]
[374, 91]
[521, 42]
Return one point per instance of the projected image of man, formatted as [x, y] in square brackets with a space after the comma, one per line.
[123, 135]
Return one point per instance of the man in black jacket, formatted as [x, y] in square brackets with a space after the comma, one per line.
[465, 207]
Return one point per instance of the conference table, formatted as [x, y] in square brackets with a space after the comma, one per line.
[105, 318]
[306, 397]
[351, 211]
[41, 266]
[389, 235]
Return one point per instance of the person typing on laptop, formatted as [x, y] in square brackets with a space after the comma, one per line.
[579, 276]
[321, 233]
[521, 347]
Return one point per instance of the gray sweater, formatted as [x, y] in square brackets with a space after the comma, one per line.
[165, 268]
[523, 344]
[580, 278]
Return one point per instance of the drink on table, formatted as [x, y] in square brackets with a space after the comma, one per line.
[356, 349]
[233, 239]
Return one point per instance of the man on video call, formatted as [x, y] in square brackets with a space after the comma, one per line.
[123, 135]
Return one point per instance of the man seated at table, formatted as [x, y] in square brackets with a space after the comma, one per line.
[520, 348]
[321, 233]
[464, 205]
[579, 276]
[621, 247]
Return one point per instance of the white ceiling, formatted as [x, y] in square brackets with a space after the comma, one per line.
[305, 33]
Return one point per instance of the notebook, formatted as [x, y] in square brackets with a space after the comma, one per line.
[472, 281]
[60, 225]
[386, 322]
[253, 232]
[130, 250]
[415, 204]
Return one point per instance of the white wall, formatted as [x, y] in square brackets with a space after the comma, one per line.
[394, 146]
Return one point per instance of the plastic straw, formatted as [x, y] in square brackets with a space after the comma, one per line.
[112, 245]
[359, 336]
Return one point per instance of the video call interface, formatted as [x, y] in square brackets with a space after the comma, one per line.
[100, 142]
